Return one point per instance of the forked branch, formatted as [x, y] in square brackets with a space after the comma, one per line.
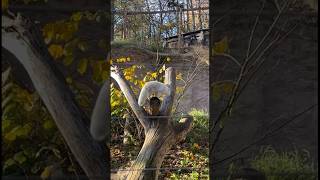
[141, 114]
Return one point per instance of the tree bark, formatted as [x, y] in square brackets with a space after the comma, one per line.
[23, 39]
[160, 133]
[193, 16]
[188, 15]
[161, 23]
[199, 15]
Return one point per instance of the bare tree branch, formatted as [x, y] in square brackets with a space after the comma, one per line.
[130, 96]
[225, 113]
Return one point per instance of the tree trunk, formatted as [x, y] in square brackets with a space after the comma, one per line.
[199, 15]
[159, 139]
[161, 23]
[193, 16]
[188, 16]
[150, 20]
[23, 39]
[160, 133]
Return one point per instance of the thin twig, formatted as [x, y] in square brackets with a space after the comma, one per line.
[254, 28]
[269, 31]
[270, 133]
[234, 96]
[233, 59]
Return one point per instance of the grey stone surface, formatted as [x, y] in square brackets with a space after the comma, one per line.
[286, 84]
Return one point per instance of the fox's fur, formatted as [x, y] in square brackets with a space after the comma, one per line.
[98, 124]
[152, 88]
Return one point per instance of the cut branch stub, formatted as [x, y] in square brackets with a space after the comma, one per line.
[184, 125]
[170, 81]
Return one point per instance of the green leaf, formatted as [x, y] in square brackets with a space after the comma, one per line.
[5, 124]
[67, 60]
[8, 163]
[48, 124]
[12, 135]
[25, 130]
[82, 66]
[20, 157]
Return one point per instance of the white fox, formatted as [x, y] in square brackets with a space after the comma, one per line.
[152, 88]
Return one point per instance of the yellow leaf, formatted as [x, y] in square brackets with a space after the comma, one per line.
[105, 75]
[97, 69]
[83, 46]
[68, 49]
[195, 145]
[49, 37]
[168, 59]
[46, 172]
[179, 76]
[216, 93]
[4, 4]
[221, 46]
[228, 87]
[76, 16]
[10, 136]
[69, 80]
[48, 124]
[154, 75]
[82, 66]
[128, 77]
[56, 51]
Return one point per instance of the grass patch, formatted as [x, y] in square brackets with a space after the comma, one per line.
[284, 165]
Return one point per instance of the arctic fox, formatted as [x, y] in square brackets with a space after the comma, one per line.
[152, 88]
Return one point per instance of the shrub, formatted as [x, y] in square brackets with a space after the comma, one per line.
[200, 128]
[285, 165]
